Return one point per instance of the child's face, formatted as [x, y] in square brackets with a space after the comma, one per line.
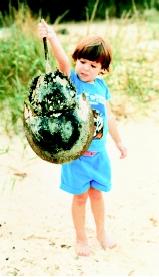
[87, 70]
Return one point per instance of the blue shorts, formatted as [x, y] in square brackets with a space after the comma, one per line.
[87, 171]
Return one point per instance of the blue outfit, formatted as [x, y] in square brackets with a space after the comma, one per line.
[90, 171]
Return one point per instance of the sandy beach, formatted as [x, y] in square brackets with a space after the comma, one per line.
[36, 231]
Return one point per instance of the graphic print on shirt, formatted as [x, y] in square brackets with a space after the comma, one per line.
[98, 125]
[97, 103]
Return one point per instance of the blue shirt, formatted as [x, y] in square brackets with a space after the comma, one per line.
[97, 93]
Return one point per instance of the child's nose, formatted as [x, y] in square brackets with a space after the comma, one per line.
[87, 66]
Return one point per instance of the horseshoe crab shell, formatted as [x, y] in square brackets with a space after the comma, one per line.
[59, 126]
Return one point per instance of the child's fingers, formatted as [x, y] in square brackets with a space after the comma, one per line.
[43, 22]
[123, 153]
[43, 31]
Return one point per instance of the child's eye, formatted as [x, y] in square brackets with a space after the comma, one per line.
[83, 62]
[93, 66]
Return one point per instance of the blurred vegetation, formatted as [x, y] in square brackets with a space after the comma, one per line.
[133, 79]
[21, 59]
[80, 11]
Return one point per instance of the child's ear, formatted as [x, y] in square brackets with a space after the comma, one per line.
[102, 72]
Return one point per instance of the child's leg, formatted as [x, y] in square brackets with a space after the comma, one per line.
[97, 206]
[78, 215]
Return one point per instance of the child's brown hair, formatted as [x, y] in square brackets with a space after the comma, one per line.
[94, 48]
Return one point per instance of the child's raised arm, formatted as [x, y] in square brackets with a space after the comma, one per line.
[62, 59]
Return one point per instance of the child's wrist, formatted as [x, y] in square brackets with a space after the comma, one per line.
[119, 143]
[51, 34]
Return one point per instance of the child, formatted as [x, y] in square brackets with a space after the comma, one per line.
[89, 175]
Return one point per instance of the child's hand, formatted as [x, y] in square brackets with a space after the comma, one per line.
[45, 30]
[122, 149]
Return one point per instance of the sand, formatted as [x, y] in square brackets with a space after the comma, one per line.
[36, 231]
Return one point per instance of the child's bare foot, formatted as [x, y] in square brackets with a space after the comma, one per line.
[105, 241]
[82, 248]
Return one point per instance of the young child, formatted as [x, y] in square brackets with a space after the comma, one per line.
[89, 175]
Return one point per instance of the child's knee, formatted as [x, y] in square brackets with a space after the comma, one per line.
[81, 199]
[95, 194]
